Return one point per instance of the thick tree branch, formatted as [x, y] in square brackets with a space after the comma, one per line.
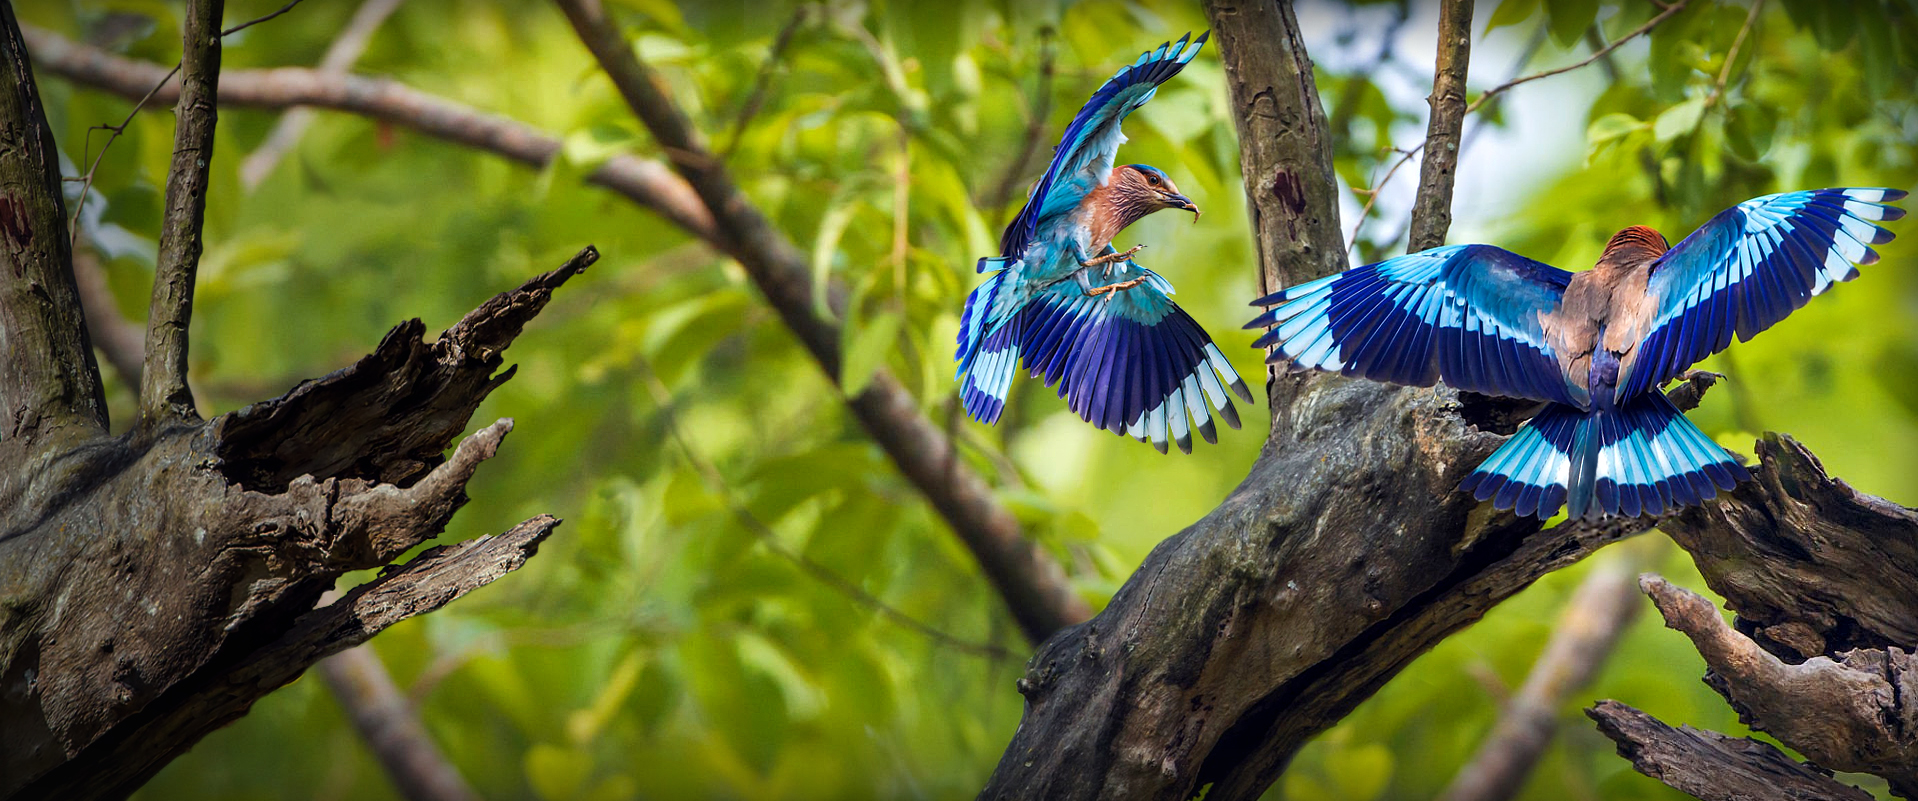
[1711, 766]
[387, 722]
[339, 58]
[1597, 614]
[1032, 584]
[164, 397]
[49, 385]
[1432, 210]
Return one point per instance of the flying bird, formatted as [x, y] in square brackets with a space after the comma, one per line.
[1060, 301]
[1595, 345]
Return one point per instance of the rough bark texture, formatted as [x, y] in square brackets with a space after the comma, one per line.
[164, 397]
[1823, 580]
[1714, 767]
[1432, 209]
[154, 588]
[50, 390]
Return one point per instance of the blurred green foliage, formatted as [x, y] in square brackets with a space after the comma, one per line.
[658, 648]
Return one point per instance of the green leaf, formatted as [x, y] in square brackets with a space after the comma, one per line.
[867, 345]
[1569, 19]
[1749, 131]
[1511, 12]
[1678, 120]
[1611, 127]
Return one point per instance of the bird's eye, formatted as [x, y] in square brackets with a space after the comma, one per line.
[1152, 179]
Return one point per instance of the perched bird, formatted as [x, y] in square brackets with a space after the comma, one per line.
[1060, 301]
[1595, 345]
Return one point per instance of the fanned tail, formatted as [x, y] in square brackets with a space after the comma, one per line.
[1641, 458]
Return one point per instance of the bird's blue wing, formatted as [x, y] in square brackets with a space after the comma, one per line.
[1466, 313]
[1093, 138]
[1748, 268]
[1131, 361]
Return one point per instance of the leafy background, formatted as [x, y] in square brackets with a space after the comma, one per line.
[659, 647]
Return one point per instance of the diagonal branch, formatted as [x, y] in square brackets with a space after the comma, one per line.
[1432, 210]
[1032, 583]
[1641, 30]
[48, 379]
[388, 723]
[163, 391]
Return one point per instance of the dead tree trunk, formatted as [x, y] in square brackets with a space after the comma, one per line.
[154, 584]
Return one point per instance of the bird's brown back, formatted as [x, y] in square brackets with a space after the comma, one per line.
[1610, 298]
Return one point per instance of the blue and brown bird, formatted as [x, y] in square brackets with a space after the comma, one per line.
[1596, 345]
[1064, 304]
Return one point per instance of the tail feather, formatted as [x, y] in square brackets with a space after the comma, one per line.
[1642, 458]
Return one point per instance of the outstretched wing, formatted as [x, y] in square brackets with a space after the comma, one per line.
[1084, 156]
[1748, 268]
[1130, 361]
[1466, 313]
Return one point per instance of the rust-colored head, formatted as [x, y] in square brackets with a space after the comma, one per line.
[1635, 245]
[1146, 190]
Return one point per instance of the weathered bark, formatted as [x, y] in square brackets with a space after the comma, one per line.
[1714, 767]
[164, 398]
[153, 591]
[1825, 583]
[1432, 209]
[50, 390]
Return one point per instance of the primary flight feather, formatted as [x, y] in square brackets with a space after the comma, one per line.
[1060, 302]
[1595, 345]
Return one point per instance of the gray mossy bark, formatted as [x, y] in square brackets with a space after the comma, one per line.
[154, 584]
[1711, 766]
[1824, 580]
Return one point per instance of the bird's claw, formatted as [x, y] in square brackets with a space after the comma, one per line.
[1111, 258]
[1701, 375]
[1097, 291]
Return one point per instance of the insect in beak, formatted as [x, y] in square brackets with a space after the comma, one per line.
[1181, 202]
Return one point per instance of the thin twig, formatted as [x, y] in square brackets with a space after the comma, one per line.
[1641, 30]
[340, 57]
[257, 20]
[163, 389]
[1377, 189]
[717, 483]
[1731, 56]
[762, 81]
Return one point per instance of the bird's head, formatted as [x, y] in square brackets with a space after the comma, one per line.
[1633, 246]
[1151, 189]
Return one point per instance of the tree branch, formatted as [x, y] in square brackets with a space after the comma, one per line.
[1711, 766]
[1032, 584]
[1641, 30]
[50, 388]
[648, 183]
[386, 720]
[1594, 618]
[164, 397]
[1432, 210]
[1036, 114]
[122, 342]
[340, 56]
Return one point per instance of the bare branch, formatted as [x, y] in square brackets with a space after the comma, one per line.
[1731, 55]
[1032, 583]
[1432, 210]
[164, 397]
[48, 379]
[1594, 618]
[762, 81]
[646, 182]
[388, 723]
[340, 57]
[1711, 766]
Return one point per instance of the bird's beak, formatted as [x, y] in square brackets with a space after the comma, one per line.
[1184, 203]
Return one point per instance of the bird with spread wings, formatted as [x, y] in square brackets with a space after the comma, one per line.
[1060, 301]
[1595, 346]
